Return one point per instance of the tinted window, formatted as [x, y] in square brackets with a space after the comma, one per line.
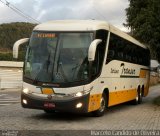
[100, 52]
[124, 50]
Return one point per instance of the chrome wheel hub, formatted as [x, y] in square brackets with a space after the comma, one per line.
[102, 105]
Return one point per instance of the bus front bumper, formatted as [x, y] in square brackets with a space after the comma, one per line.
[75, 105]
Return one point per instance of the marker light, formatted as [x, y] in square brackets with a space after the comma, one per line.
[79, 105]
[24, 101]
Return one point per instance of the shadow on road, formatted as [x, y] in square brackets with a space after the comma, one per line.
[66, 116]
[156, 101]
[61, 116]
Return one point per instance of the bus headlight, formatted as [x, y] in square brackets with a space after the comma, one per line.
[26, 91]
[79, 94]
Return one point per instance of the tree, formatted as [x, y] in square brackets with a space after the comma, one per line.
[143, 18]
[9, 34]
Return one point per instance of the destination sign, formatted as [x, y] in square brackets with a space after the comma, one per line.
[46, 35]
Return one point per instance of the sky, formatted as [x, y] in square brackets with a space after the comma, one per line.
[112, 11]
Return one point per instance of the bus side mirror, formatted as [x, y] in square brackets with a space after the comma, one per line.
[16, 46]
[92, 49]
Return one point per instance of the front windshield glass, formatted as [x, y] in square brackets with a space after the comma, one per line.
[58, 57]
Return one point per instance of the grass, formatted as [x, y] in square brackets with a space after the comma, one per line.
[5, 50]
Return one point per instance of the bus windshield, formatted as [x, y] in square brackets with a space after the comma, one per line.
[58, 57]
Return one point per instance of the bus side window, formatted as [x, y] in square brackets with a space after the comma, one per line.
[128, 58]
[120, 55]
[100, 52]
[124, 50]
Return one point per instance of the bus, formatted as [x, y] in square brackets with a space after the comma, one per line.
[82, 66]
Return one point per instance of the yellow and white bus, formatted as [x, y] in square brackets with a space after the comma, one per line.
[82, 66]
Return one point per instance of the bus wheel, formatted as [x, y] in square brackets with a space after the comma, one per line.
[49, 111]
[100, 112]
[138, 99]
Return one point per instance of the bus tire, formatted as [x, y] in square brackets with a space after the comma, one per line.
[100, 112]
[49, 111]
[138, 99]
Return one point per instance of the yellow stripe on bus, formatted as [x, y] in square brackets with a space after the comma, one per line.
[146, 89]
[115, 98]
[121, 96]
[94, 102]
[143, 73]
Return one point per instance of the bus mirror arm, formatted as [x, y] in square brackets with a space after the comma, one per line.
[92, 49]
[16, 46]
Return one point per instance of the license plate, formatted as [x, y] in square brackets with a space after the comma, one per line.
[49, 105]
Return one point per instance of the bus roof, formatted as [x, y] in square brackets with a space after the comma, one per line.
[84, 25]
[73, 25]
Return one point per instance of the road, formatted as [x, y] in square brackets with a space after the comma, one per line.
[9, 98]
[145, 116]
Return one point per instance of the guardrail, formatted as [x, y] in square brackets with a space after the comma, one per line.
[10, 74]
[13, 64]
[10, 78]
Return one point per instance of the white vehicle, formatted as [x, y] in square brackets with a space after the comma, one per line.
[82, 66]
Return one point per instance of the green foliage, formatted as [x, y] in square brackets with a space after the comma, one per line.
[9, 34]
[6, 56]
[143, 17]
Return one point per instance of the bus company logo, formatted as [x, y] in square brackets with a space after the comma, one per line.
[127, 71]
[114, 71]
[49, 97]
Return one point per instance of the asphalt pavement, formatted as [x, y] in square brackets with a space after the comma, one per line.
[145, 116]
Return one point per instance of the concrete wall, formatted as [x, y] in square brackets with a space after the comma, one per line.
[12, 64]
[10, 74]
[154, 78]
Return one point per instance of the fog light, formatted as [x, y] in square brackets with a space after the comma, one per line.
[24, 101]
[79, 105]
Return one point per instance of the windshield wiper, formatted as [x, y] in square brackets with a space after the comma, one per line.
[62, 71]
[47, 63]
[74, 68]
